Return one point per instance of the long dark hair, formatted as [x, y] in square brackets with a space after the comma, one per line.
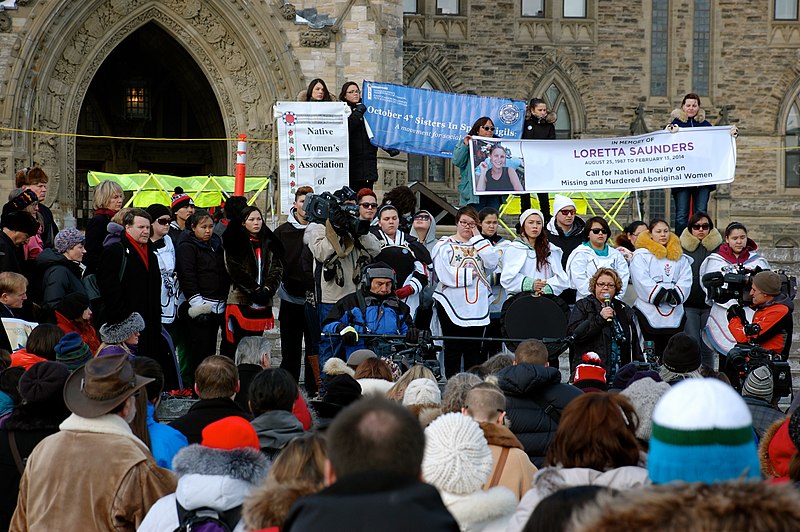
[343, 93]
[310, 89]
[541, 245]
[477, 125]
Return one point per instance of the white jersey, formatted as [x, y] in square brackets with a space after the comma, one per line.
[583, 262]
[519, 263]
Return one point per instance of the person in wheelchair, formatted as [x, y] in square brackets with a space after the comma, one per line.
[374, 308]
[771, 325]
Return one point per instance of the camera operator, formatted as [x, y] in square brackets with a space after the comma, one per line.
[340, 249]
[373, 309]
[737, 252]
[771, 325]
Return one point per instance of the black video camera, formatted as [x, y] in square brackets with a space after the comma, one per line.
[744, 358]
[332, 207]
[732, 284]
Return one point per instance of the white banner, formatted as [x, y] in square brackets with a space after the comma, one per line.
[688, 158]
[312, 147]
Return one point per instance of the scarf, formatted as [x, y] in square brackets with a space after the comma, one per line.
[141, 249]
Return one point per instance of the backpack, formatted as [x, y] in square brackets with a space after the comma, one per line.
[207, 519]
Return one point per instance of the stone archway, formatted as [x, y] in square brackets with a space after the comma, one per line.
[240, 51]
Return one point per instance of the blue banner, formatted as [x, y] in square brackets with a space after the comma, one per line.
[428, 122]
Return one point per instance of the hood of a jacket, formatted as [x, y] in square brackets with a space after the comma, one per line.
[524, 379]
[430, 238]
[276, 428]
[50, 257]
[577, 226]
[188, 238]
[671, 251]
[681, 115]
[480, 506]
[712, 241]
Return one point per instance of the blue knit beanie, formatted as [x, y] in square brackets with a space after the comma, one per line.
[702, 432]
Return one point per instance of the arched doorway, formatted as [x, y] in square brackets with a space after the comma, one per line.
[149, 86]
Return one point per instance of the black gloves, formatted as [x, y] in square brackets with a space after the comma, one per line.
[262, 296]
[667, 296]
[734, 311]
[348, 334]
[659, 297]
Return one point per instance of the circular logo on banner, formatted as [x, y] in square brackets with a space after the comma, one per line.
[289, 118]
[509, 114]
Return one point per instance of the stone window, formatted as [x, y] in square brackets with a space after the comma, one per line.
[532, 8]
[574, 8]
[448, 7]
[426, 169]
[701, 42]
[410, 6]
[659, 48]
[785, 10]
[558, 105]
[792, 141]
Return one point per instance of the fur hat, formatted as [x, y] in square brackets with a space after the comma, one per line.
[73, 305]
[43, 382]
[759, 384]
[72, 351]
[682, 354]
[232, 432]
[457, 457]
[101, 385]
[116, 333]
[21, 221]
[561, 202]
[644, 394]
[422, 392]
[180, 200]
[768, 282]
[67, 239]
[702, 431]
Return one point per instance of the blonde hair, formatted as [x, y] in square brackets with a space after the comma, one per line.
[417, 371]
[103, 193]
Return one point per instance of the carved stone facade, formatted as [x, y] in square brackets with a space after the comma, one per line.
[250, 53]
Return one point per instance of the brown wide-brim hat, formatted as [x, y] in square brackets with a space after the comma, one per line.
[102, 385]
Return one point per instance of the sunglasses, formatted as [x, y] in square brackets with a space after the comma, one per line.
[369, 205]
[704, 227]
[598, 230]
[162, 221]
[567, 212]
[487, 128]
[422, 217]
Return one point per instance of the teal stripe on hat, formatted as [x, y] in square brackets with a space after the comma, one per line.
[736, 436]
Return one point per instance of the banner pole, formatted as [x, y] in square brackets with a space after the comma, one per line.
[241, 163]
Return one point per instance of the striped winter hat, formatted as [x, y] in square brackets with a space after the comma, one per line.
[702, 432]
[180, 200]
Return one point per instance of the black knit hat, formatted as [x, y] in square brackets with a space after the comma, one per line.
[73, 305]
[341, 390]
[21, 221]
[156, 211]
[682, 354]
[43, 382]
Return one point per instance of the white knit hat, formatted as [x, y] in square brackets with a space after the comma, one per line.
[457, 457]
[525, 214]
[559, 202]
[422, 392]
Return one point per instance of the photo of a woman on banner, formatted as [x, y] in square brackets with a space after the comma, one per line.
[498, 171]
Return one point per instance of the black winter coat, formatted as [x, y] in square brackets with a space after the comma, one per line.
[201, 267]
[372, 501]
[294, 277]
[363, 155]
[60, 277]
[597, 337]
[529, 389]
[203, 413]
[96, 231]
[49, 227]
[540, 128]
[10, 259]
[138, 290]
[240, 262]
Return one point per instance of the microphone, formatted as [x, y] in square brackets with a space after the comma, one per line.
[607, 303]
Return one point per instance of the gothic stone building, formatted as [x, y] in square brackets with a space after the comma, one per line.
[211, 68]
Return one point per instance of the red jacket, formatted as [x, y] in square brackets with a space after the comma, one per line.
[87, 332]
[25, 359]
[775, 319]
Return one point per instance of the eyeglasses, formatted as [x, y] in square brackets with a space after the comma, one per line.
[606, 285]
[598, 230]
[422, 217]
[704, 227]
[567, 212]
[466, 224]
[369, 205]
[487, 128]
[353, 91]
[162, 221]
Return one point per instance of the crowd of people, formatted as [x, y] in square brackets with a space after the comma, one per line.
[101, 326]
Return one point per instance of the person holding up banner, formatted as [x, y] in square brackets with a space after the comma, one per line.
[461, 263]
[539, 126]
[483, 127]
[531, 263]
[689, 115]
[317, 91]
[662, 278]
